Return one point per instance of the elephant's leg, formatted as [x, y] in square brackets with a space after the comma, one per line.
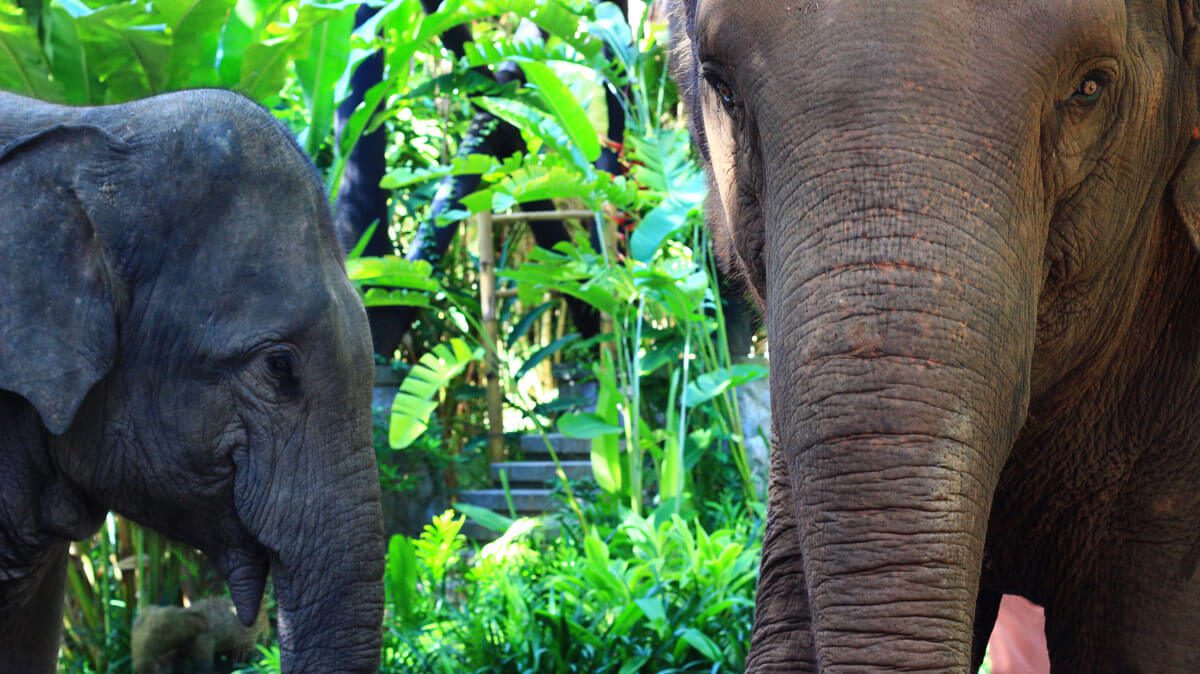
[29, 638]
[987, 607]
[782, 625]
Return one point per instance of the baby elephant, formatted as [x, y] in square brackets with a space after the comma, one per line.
[179, 344]
[204, 637]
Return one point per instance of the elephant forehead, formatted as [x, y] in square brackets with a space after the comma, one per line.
[213, 296]
[1036, 25]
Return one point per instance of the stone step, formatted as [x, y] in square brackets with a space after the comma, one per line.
[540, 473]
[534, 447]
[526, 501]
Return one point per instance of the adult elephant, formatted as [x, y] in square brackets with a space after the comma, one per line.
[179, 343]
[968, 225]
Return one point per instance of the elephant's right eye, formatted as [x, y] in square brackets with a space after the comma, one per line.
[715, 79]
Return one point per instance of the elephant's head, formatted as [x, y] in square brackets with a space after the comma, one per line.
[944, 208]
[176, 312]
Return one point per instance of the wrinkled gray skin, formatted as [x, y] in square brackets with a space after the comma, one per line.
[179, 343]
[971, 226]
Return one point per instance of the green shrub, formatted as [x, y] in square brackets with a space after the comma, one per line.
[657, 593]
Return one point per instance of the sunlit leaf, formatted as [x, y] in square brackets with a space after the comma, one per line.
[321, 67]
[570, 115]
[195, 28]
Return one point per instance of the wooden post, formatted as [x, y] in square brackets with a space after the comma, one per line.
[487, 303]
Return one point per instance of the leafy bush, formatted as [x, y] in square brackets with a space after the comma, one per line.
[656, 593]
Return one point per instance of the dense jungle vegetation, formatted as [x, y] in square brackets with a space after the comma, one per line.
[649, 565]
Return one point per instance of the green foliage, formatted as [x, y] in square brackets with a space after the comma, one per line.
[414, 402]
[678, 293]
[110, 51]
[659, 594]
[401, 579]
[393, 281]
[439, 546]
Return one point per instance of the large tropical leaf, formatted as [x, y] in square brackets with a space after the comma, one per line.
[401, 578]
[127, 48]
[414, 402]
[393, 272]
[321, 68]
[567, 111]
[195, 27]
[68, 56]
[661, 163]
[712, 384]
[536, 126]
[240, 31]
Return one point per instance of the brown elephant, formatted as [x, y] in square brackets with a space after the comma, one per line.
[972, 227]
[179, 343]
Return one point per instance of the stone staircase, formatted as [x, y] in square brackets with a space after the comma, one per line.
[531, 480]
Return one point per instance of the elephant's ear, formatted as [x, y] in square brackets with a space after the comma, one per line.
[58, 326]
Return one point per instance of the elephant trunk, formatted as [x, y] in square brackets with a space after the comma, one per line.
[901, 319]
[328, 577]
[315, 512]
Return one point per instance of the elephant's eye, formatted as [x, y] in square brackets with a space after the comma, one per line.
[729, 97]
[282, 369]
[1090, 88]
[282, 365]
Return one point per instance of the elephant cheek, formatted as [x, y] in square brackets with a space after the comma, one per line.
[718, 131]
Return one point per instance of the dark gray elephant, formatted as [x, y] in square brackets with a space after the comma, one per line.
[179, 343]
[972, 228]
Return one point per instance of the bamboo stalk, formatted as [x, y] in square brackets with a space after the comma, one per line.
[560, 325]
[487, 302]
[546, 335]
